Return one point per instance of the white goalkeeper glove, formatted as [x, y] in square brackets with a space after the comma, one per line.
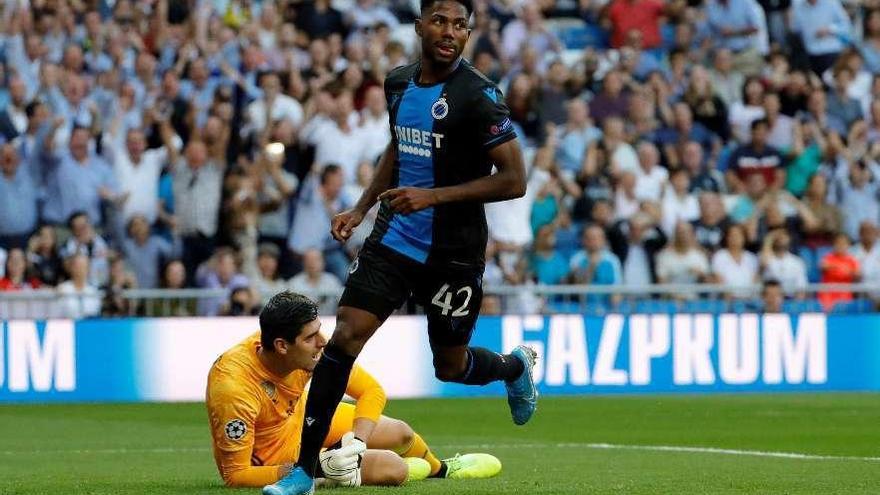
[343, 465]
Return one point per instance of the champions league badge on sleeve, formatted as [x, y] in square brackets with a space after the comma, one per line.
[235, 429]
[440, 109]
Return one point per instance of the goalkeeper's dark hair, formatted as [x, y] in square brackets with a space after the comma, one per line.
[284, 317]
[467, 4]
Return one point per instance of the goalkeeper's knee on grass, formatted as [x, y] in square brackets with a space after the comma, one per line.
[383, 468]
[416, 447]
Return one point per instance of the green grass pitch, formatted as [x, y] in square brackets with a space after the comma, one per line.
[164, 448]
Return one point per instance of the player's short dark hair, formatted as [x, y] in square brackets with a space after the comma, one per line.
[468, 5]
[284, 317]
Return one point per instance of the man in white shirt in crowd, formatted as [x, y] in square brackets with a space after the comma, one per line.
[727, 82]
[651, 177]
[281, 105]
[198, 188]
[867, 251]
[623, 157]
[678, 203]
[337, 140]
[314, 282]
[683, 261]
[780, 264]
[78, 298]
[374, 123]
[781, 134]
[636, 243]
[85, 241]
[137, 169]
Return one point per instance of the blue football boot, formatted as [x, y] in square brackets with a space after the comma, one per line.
[297, 482]
[522, 395]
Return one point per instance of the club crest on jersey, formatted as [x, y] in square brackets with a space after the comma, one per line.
[440, 109]
[269, 388]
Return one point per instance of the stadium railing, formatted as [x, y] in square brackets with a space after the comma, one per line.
[594, 300]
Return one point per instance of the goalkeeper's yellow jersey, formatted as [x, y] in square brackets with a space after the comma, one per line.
[256, 416]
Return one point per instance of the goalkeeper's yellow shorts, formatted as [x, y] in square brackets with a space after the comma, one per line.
[285, 443]
[343, 422]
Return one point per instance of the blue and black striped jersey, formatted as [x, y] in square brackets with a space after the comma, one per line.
[443, 133]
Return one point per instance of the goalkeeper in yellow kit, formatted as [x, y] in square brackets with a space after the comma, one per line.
[256, 401]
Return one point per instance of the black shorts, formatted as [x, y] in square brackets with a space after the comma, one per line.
[381, 280]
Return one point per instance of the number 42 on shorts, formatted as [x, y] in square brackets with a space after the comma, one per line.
[443, 300]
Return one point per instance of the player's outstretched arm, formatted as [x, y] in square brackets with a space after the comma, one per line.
[370, 401]
[508, 183]
[344, 223]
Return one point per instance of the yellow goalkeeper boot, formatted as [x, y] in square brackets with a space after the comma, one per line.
[417, 468]
[472, 466]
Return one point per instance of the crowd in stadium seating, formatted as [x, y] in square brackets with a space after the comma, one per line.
[684, 141]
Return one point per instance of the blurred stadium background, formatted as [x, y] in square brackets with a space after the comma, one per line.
[701, 217]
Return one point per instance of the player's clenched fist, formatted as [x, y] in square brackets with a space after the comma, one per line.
[344, 223]
[409, 199]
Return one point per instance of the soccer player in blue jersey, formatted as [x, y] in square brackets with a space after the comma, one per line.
[449, 127]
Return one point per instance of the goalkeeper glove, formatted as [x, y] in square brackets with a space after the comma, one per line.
[343, 464]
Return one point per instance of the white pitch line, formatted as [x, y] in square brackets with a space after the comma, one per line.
[754, 453]
[488, 446]
[161, 450]
[673, 448]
